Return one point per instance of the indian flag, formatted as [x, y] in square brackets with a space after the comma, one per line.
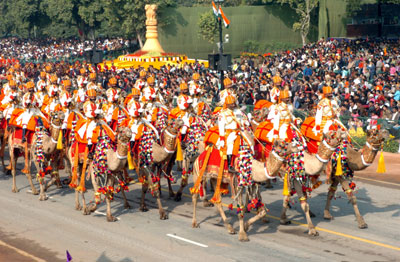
[215, 9]
[226, 21]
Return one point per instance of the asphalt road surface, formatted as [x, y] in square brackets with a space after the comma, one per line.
[33, 230]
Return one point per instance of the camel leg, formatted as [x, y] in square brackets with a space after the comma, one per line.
[34, 190]
[145, 187]
[97, 196]
[85, 209]
[284, 220]
[305, 207]
[163, 214]
[77, 204]
[184, 182]
[206, 203]
[26, 169]
[242, 233]
[224, 219]
[110, 182]
[42, 196]
[353, 200]
[126, 203]
[13, 163]
[168, 171]
[194, 201]
[331, 194]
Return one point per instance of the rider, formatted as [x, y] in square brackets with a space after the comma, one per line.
[230, 122]
[228, 91]
[327, 112]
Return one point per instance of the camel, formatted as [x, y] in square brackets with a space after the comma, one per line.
[162, 154]
[357, 160]
[116, 163]
[313, 164]
[260, 172]
[48, 146]
[15, 148]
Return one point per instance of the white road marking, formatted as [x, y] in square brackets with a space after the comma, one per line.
[187, 240]
[103, 214]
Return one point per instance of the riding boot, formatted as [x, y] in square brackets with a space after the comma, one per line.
[231, 168]
[90, 151]
[132, 146]
[23, 135]
[64, 132]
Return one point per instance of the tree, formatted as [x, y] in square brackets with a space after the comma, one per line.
[208, 27]
[303, 8]
[128, 16]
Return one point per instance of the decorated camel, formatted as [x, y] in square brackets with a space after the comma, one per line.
[20, 145]
[260, 172]
[298, 181]
[159, 154]
[353, 160]
[44, 152]
[108, 166]
[113, 162]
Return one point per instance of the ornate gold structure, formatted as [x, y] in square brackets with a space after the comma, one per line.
[152, 44]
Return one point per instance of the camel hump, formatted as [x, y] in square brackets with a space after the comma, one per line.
[307, 129]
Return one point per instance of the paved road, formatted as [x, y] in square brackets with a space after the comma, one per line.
[31, 230]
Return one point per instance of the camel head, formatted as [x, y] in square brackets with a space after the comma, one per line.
[124, 134]
[283, 148]
[376, 136]
[57, 117]
[334, 137]
[261, 114]
[174, 125]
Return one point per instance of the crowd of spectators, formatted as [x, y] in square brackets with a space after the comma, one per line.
[56, 49]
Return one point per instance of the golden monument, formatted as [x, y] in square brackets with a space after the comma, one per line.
[152, 54]
[152, 44]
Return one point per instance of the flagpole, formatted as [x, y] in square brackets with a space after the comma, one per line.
[221, 51]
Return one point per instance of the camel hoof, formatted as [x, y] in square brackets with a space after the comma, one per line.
[328, 216]
[35, 192]
[127, 206]
[15, 190]
[78, 207]
[313, 232]
[92, 207]
[243, 237]
[86, 211]
[207, 203]
[178, 197]
[163, 215]
[195, 225]
[265, 220]
[111, 219]
[25, 171]
[143, 209]
[43, 198]
[285, 222]
[363, 226]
